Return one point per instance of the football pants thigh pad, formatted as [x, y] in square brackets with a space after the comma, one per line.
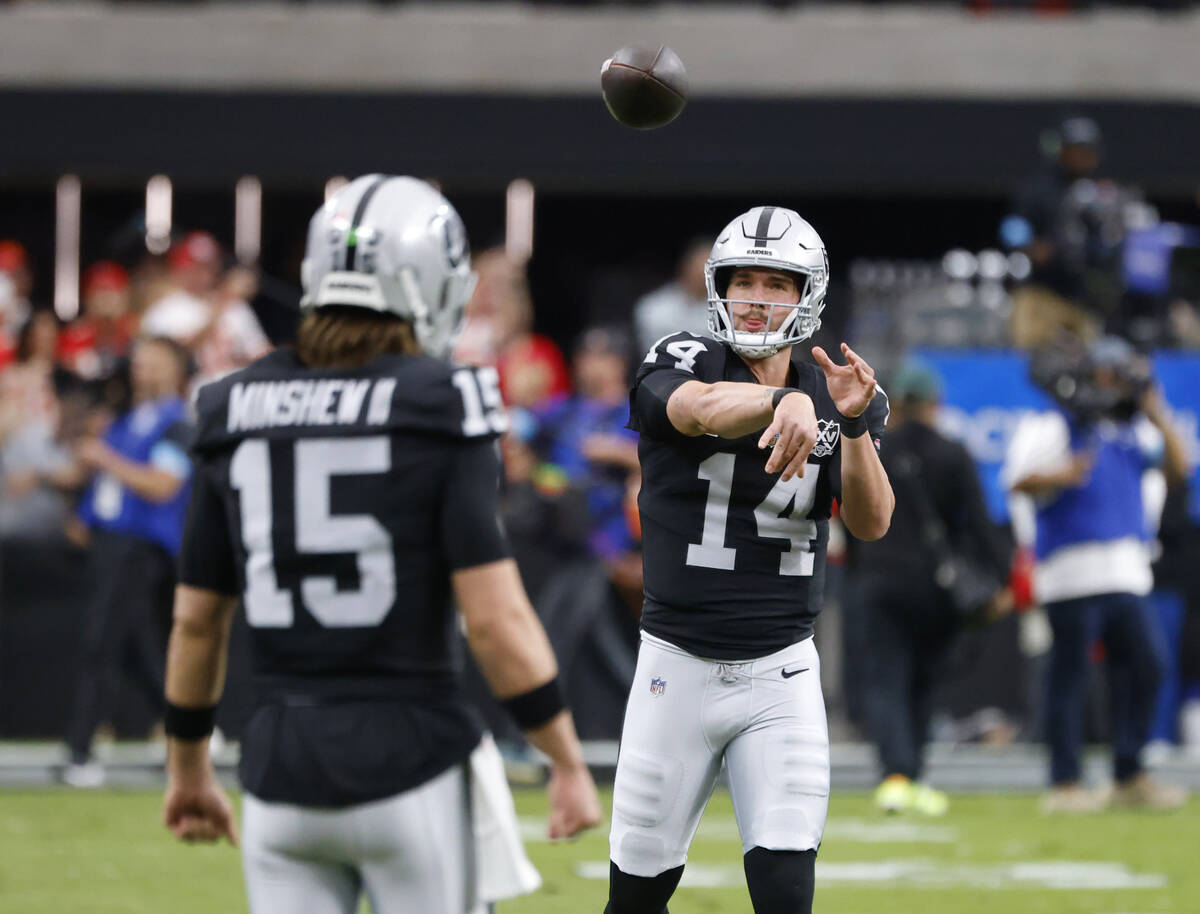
[779, 767]
[666, 770]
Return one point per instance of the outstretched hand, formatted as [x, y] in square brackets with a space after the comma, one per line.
[852, 386]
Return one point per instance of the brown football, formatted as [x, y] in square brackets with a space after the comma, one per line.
[644, 85]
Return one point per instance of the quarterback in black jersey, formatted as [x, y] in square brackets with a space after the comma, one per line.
[743, 449]
[344, 490]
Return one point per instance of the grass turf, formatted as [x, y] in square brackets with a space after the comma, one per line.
[106, 853]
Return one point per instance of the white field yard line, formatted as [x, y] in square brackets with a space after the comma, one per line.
[1066, 875]
[862, 831]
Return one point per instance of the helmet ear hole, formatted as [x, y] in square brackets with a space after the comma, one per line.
[721, 277]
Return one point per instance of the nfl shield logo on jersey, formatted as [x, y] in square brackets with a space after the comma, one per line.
[657, 686]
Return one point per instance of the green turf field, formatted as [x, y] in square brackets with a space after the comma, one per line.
[105, 853]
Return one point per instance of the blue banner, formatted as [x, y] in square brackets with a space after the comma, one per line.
[987, 391]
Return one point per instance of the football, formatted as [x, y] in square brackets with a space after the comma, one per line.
[644, 85]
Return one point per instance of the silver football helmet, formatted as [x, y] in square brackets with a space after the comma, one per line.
[393, 245]
[775, 238]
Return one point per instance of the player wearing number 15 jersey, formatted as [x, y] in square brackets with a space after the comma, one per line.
[344, 489]
[743, 449]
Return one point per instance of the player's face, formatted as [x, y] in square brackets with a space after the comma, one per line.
[759, 284]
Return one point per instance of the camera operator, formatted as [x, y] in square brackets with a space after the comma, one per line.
[1083, 465]
[1071, 225]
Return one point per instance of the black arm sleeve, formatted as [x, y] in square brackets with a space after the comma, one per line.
[207, 558]
[648, 403]
[470, 522]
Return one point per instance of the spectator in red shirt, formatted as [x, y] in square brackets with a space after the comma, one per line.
[499, 332]
[93, 344]
[16, 283]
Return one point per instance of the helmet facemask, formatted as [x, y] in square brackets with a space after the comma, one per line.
[802, 321]
[436, 329]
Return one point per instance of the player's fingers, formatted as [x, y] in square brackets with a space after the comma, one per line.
[576, 824]
[798, 443]
[770, 434]
[778, 444]
[796, 466]
[783, 450]
[229, 829]
[863, 368]
[855, 359]
[189, 828]
[865, 377]
[822, 358]
[204, 830]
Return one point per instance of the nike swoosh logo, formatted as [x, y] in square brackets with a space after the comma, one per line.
[786, 675]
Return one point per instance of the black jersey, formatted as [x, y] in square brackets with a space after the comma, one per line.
[337, 503]
[734, 558]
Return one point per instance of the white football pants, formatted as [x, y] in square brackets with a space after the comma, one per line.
[411, 853]
[685, 716]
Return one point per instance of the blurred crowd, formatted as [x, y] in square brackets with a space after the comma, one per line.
[63, 384]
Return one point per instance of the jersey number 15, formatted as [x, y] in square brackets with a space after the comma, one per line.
[318, 531]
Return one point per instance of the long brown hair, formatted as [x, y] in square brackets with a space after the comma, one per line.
[344, 337]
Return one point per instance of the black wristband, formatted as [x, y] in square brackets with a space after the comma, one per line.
[781, 393]
[533, 708]
[189, 724]
[853, 426]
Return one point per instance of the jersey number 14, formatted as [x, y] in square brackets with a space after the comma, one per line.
[779, 516]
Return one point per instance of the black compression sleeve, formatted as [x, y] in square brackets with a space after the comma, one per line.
[207, 559]
[649, 407]
[471, 532]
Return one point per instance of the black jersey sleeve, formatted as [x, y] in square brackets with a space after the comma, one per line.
[671, 362]
[207, 558]
[470, 522]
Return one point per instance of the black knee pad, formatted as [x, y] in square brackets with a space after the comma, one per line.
[640, 894]
[781, 882]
